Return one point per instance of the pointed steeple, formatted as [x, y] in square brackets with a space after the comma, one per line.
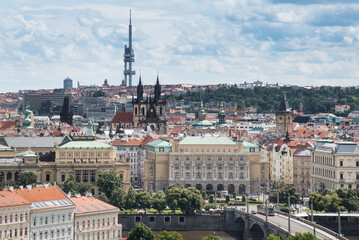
[139, 90]
[157, 89]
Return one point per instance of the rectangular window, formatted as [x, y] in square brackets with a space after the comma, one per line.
[241, 175]
[230, 167]
[63, 178]
[78, 176]
[161, 149]
[209, 167]
[187, 166]
[177, 176]
[341, 176]
[176, 166]
[220, 176]
[262, 166]
[230, 158]
[187, 158]
[357, 163]
[85, 176]
[47, 177]
[209, 175]
[230, 176]
[198, 166]
[188, 175]
[198, 175]
[219, 158]
[167, 219]
[209, 159]
[152, 219]
[341, 163]
[177, 158]
[93, 176]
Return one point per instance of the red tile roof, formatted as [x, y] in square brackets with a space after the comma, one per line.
[10, 199]
[7, 124]
[129, 142]
[122, 117]
[41, 194]
[91, 204]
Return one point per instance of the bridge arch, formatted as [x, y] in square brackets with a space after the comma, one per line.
[241, 224]
[256, 231]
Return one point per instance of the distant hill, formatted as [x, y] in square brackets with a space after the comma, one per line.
[267, 99]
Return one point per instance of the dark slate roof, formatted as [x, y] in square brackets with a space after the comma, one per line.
[33, 142]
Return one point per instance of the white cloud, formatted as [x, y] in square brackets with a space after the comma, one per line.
[192, 41]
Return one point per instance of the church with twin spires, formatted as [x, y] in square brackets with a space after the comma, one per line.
[148, 112]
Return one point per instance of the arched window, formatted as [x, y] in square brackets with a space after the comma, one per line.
[136, 111]
[21, 217]
[160, 111]
[9, 176]
[143, 111]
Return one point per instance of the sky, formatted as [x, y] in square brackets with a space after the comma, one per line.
[303, 42]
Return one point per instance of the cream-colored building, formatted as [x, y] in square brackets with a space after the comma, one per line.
[14, 216]
[282, 164]
[302, 171]
[81, 156]
[86, 158]
[335, 165]
[205, 162]
[95, 219]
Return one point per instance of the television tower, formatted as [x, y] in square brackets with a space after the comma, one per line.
[129, 58]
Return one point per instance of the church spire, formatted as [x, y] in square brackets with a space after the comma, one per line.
[139, 90]
[157, 89]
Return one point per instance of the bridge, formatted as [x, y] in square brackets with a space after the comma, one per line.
[255, 227]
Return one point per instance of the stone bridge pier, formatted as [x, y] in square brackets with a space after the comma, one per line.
[253, 227]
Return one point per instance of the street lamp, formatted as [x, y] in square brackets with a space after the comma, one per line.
[266, 210]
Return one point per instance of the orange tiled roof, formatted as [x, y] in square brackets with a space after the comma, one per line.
[123, 117]
[41, 194]
[91, 204]
[130, 142]
[10, 199]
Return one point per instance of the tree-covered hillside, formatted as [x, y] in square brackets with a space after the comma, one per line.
[267, 99]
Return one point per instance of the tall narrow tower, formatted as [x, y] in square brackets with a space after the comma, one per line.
[129, 58]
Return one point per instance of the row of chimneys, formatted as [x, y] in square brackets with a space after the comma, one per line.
[29, 187]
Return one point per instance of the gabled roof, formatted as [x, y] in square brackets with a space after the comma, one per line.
[4, 125]
[129, 142]
[123, 117]
[90, 204]
[10, 199]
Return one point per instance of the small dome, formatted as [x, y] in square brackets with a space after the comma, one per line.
[26, 121]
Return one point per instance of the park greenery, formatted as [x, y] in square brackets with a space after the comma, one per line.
[285, 191]
[74, 187]
[142, 231]
[297, 236]
[342, 199]
[267, 99]
[25, 178]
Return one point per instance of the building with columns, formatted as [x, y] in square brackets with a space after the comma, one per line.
[206, 162]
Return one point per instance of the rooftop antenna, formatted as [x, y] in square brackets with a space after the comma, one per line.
[129, 57]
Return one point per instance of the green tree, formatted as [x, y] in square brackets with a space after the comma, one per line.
[108, 182]
[211, 237]
[83, 188]
[190, 201]
[227, 199]
[98, 93]
[172, 198]
[27, 178]
[286, 190]
[159, 201]
[172, 235]
[317, 199]
[243, 198]
[141, 232]
[273, 237]
[130, 199]
[211, 199]
[118, 198]
[143, 200]
[69, 185]
[234, 195]
[104, 198]
[302, 236]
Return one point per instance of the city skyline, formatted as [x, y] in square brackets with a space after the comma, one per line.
[192, 42]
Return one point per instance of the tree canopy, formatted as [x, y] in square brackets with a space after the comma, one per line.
[159, 201]
[284, 191]
[70, 185]
[211, 237]
[297, 236]
[108, 182]
[27, 178]
[267, 99]
[141, 232]
[334, 201]
[172, 235]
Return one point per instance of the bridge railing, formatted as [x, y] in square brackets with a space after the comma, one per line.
[324, 229]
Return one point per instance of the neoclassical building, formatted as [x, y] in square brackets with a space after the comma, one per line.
[205, 162]
[335, 165]
[84, 157]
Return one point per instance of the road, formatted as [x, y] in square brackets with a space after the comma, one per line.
[295, 226]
